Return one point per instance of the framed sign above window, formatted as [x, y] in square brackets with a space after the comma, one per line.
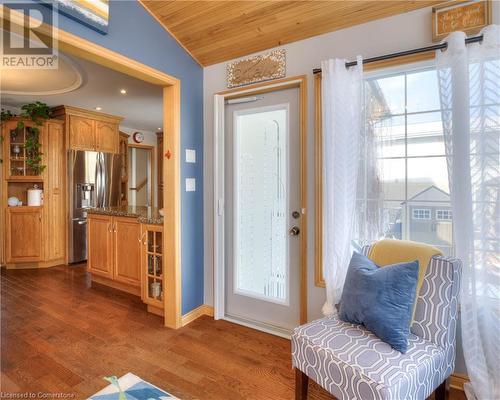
[467, 16]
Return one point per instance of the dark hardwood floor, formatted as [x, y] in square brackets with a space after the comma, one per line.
[59, 334]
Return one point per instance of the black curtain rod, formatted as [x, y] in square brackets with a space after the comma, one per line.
[440, 46]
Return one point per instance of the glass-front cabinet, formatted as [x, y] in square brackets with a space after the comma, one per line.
[24, 150]
[152, 259]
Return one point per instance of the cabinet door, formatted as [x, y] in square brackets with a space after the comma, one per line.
[81, 133]
[55, 221]
[107, 137]
[24, 234]
[127, 254]
[100, 245]
[17, 153]
[153, 281]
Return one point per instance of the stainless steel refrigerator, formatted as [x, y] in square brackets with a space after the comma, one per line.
[94, 181]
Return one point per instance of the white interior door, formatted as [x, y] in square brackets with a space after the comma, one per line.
[262, 211]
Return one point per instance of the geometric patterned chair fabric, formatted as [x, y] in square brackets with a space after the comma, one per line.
[352, 363]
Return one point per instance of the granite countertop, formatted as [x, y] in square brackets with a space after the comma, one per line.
[145, 215]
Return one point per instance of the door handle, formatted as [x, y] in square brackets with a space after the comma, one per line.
[294, 231]
[142, 236]
[109, 227]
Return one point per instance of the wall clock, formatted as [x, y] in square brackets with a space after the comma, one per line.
[138, 137]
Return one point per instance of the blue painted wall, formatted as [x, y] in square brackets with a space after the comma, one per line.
[134, 33]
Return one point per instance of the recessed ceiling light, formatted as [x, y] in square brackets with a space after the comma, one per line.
[159, 129]
[123, 91]
[98, 108]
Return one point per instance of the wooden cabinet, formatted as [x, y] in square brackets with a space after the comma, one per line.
[55, 193]
[107, 139]
[100, 245]
[129, 255]
[17, 153]
[33, 236]
[24, 234]
[89, 130]
[81, 133]
[152, 267]
[127, 251]
[114, 248]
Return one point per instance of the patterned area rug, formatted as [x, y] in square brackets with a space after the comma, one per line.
[130, 387]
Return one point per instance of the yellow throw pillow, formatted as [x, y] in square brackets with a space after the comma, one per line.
[394, 251]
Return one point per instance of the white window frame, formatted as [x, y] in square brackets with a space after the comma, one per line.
[448, 213]
[422, 214]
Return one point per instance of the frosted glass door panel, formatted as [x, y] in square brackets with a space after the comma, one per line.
[260, 195]
[262, 211]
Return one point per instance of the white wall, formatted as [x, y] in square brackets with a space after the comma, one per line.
[150, 140]
[397, 33]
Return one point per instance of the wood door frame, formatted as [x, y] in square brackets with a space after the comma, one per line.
[299, 82]
[77, 46]
[153, 152]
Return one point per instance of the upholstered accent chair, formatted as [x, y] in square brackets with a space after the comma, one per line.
[352, 363]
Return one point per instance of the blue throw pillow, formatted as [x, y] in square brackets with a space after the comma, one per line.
[381, 299]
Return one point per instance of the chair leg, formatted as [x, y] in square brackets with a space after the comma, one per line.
[441, 393]
[301, 384]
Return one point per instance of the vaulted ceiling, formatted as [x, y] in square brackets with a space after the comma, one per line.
[216, 31]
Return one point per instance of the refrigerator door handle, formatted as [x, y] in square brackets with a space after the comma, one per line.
[104, 179]
[97, 183]
[98, 180]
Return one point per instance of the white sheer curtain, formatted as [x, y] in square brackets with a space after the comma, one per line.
[343, 122]
[469, 81]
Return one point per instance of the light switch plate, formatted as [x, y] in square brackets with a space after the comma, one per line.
[190, 156]
[190, 185]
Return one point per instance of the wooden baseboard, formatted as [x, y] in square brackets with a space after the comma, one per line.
[135, 290]
[35, 265]
[457, 381]
[204, 309]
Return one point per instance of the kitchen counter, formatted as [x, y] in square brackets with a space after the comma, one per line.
[145, 215]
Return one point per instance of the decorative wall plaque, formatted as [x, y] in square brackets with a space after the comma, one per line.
[256, 69]
[466, 16]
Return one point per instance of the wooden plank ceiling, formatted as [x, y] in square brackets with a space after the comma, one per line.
[216, 31]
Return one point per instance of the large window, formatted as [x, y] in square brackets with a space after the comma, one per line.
[408, 195]
[403, 185]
